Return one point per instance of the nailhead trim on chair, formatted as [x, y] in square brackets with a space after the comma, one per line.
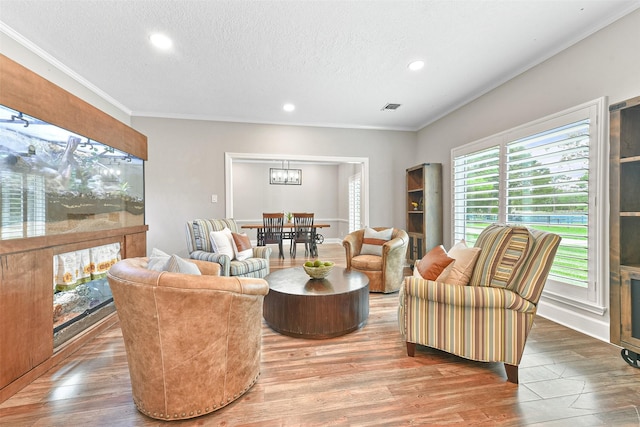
[183, 415]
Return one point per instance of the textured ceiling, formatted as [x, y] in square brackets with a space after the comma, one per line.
[339, 62]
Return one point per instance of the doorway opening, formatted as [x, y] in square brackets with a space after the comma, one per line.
[344, 168]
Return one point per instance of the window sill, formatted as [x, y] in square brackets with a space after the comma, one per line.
[582, 305]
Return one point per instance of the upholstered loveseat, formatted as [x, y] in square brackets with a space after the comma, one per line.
[490, 318]
[193, 342]
[199, 246]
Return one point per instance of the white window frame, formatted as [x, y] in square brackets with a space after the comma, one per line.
[355, 202]
[593, 298]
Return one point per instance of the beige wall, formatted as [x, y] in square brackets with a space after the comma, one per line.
[186, 158]
[605, 64]
[10, 48]
[186, 166]
[319, 193]
[253, 194]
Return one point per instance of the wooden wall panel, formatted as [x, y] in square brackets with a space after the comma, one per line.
[25, 91]
[26, 292]
[26, 265]
[57, 240]
[135, 245]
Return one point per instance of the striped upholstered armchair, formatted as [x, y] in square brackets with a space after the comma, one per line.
[200, 248]
[489, 319]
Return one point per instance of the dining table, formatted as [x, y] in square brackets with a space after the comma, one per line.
[287, 233]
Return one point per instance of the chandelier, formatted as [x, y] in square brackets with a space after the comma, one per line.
[285, 176]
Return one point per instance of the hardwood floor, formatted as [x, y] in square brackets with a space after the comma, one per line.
[364, 378]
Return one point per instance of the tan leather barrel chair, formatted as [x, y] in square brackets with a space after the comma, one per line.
[193, 342]
[384, 270]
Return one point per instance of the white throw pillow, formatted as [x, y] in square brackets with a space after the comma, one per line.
[222, 242]
[178, 265]
[373, 240]
[459, 272]
[158, 260]
[416, 272]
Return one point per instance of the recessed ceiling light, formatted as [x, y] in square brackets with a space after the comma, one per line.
[161, 41]
[416, 65]
[288, 107]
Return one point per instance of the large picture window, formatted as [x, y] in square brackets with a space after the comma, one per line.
[545, 175]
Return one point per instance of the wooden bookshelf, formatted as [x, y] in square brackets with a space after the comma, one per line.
[624, 242]
[424, 209]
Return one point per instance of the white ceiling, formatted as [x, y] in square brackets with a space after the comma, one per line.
[339, 62]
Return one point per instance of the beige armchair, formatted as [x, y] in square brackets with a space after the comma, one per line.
[385, 271]
[489, 319]
[193, 342]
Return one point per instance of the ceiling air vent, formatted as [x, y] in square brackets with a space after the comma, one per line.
[390, 107]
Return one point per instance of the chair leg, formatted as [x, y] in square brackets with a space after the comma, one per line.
[411, 349]
[512, 373]
[281, 253]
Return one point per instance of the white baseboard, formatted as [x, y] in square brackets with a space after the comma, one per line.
[332, 240]
[581, 321]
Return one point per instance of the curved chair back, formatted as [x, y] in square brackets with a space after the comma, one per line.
[193, 342]
[385, 271]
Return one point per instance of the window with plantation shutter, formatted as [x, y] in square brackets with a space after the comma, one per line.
[36, 206]
[12, 205]
[548, 189]
[544, 175]
[354, 202]
[476, 195]
[23, 213]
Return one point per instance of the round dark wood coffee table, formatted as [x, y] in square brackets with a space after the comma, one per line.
[300, 306]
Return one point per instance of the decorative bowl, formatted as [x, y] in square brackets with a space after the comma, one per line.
[318, 272]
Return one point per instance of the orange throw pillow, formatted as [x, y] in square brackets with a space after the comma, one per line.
[241, 246]
[432, 264]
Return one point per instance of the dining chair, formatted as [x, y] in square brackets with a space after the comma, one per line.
[272, 231]
[303, 232]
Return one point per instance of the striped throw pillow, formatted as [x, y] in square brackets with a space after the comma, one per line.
[503, 250]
